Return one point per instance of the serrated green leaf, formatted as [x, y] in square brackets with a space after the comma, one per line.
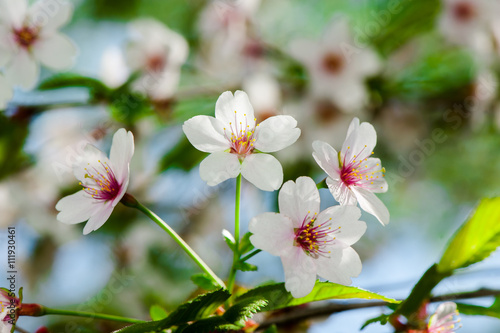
[240, 312]
[245, 244]
[198, 308]
[203, 281]
[157, 312]
[475, 310]
[229, 238]
[382, 319]
[245, 267]
[208, 325]
[279, 298]
[476, 239]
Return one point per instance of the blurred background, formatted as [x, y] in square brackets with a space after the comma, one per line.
[423, 72]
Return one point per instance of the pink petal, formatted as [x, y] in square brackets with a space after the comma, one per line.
[298, 200]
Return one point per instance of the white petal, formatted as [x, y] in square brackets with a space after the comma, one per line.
[300, 272]
[92, 158]
[55, 51]
[298, 200]
[371, 204]
[339, 266]
[327, 158]
[122, 150]
[272, 233]
[235, 110]
[365, 63]
[218, 167]
[206, 134]
[305, 51]
[76, 208]
[50, 15]
[263, 170]
[360, 143]
[341, 192]
[98, 219]
[22, 70]
[347, 218]
[6, 92]
[276, 133]
[353, 126]
[13, 12]
[443, 317]
[6, 47]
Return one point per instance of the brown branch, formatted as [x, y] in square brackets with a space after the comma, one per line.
[300, 314]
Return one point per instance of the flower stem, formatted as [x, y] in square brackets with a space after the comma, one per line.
[49, 311]
[236, 256]
[130, 201]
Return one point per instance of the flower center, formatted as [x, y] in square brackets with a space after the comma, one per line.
[314, 239]
[464, 11]
[26, 36]
[101, 186]
[333, 63]
[358, 173]
[241, 138]
[156, 63]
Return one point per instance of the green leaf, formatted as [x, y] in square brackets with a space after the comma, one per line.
[245, 244]
[233, 319]
[421, 291]
[157, 312]
[240, 312]
[198, 308]
[271, 329]
[245, 267]
[382, 319]
[279, 298]
[203, 281]
[478, 237]
[475, 310]
[229, 238]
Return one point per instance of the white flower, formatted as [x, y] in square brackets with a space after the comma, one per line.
[29, 36]
[264, 94]
[443, 320]
[467, 22]
[158, 54]
[337, 68]
[104, 182]
[5, 92]
[353, 176]
[309, 242]
[235, 140]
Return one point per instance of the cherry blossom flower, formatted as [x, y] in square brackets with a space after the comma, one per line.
[354, 176]
[308, 241]
[5, 92]
[158, 54]
[467, 22]
[235, 142]
[9, 310]
[29, 36]
[337, 68]
[444, 319]
[104, 180]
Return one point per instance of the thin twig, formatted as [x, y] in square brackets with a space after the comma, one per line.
[300, 314]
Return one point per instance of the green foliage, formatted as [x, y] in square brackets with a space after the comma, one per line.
[203, 281]
[157, 312]
[245, 244]
[475, 310]
[233, 319]
[97, 89]
[12, 136]
[229, 238]
[245, 267]
[271, 329]
[182, 156]
[198, 308]
[279, 298]
[478, 237]
[382, 319]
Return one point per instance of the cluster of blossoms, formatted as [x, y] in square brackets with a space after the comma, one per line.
[309, 242]
[444, 320]
[29, 37]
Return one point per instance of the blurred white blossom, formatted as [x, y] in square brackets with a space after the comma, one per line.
[337, 68]
[157, 53]
[29, 36]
